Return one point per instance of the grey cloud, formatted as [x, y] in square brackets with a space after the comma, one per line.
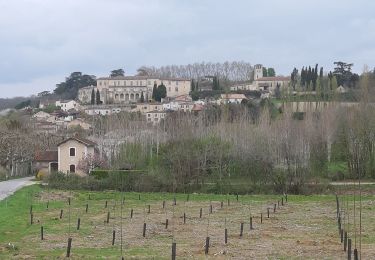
[43, 41]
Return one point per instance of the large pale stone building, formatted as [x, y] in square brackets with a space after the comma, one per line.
[129, 89]
[261, 83]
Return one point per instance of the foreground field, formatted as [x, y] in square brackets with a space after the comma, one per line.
[304, 228]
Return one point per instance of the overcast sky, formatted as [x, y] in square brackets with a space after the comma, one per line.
[42, 41]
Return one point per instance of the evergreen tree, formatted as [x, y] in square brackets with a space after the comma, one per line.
[294, 78]
[321, 72]
[98, 97]
[161, 92]
[309, 79]
[116, 73]
[197, 86]
[265, 74]
[142, 100]
[271, 72]
[334, 84]
[154, 92]
[214, 83]
[93, 97]
[192, 85]
[303, 76]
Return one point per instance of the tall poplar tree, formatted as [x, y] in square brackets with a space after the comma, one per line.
[98, 97]
[93, 97]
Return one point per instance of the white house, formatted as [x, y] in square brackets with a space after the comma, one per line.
[98, 111]
[155, 117]
[67, 105]
[232, 98]
[244, 86]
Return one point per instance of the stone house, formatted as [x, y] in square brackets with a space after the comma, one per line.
[46, 161]
[71, 151]
[232, 98]
[67, 105]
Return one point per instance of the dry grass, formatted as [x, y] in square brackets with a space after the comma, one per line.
[302, 229]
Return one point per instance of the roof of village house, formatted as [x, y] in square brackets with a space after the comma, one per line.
[183, 98]
[41, 114]
[78, 120]
[278, 78]
[65, 101]
[197, 107]
[80, 140]
[59, 113]
[46, 156]
[233, 96]
[241, 83]
[156, 111]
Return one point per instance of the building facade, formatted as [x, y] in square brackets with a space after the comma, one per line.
[129, 89]
[71, 151]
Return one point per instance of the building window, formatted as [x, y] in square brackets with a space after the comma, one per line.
[72, 168]
[100, 83]
[176, 83]
[131, 83]
[169, 89]
[72, 152]
[176, 89]
[148, 82]
[170, 82]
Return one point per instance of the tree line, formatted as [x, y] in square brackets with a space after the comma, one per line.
[233, 71]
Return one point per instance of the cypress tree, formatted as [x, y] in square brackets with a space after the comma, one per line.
[192, 85]
[97, 97]
[93, 97]
[154, 92]
[142, 98]
[309, 78]
[303, 76]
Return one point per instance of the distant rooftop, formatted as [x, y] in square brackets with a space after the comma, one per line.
[277, 78]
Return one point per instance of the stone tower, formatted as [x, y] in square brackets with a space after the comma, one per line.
[258, 71]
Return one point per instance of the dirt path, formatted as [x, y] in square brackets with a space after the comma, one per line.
[7, 188]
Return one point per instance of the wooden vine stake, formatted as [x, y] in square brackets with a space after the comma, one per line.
[174, 251]
[241, 230]
[41, 233]
[78, 223]
[69, 248]
[144, 229]
[207, 246]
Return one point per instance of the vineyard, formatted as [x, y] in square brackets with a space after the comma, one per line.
[38, 223]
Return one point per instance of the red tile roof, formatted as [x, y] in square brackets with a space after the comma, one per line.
[46, 156]
[79, 139]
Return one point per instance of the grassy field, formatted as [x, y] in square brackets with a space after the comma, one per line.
[304, 228]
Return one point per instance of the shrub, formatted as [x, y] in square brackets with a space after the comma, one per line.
[41, 175]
